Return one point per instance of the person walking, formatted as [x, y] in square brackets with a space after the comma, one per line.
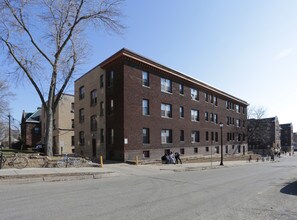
[177, 158]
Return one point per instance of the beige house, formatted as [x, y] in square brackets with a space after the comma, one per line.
[90, 114]
[63, 126]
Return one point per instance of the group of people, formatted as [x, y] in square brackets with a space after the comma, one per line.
[171, 158]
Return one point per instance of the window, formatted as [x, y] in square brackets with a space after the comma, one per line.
[145, 107]
[217, 137]
[181, 112]
[146, 154]
[243, 123]
[166, 136]
[72, 141]
[237, 107]
[72, 107]
[166, 85]
[36, 130]
[206, 149]
[81, 92]
[194, 94]
[111, 107]
[145, 79]
[238, 123]
[101, 108]
[81, 138]
[194, 115]
[215, 100]
[181, 89]
[72, 123]
[182, 135]
[110, 80]
[81, 115]
[217, 149]
[166, 111]
[101, 135]
[195, 136]
[211, 117]
[182, 151]
[206, 97]
[93, 123]
[212, 136]
[226, 149]
[215, 118]
[145, 135]
[111, 137]
[195, 150]
[94, 97]
[206, 116]
[101, 81]
[206, 136]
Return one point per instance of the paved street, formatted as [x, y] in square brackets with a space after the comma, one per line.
[253, 191]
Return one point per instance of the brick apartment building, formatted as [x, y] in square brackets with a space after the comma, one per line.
[31, 128]
[63, 126]
[264, 135]
[130, 106]
[287, 137]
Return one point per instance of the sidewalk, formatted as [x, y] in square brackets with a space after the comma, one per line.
[108, 170]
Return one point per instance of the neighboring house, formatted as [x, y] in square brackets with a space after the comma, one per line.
[295, 141]
[63, 126]
[287, 137]
[130, 106]
[264, 135]
[31, 128]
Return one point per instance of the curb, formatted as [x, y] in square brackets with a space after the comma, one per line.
[54, 177]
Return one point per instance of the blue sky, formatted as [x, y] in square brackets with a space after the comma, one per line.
[246, 48]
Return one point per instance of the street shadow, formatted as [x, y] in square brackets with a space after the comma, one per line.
[290, 189]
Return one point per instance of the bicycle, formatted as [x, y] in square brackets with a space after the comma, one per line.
[15, 161]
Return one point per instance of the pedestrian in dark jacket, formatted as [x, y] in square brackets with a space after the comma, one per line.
[177, 158]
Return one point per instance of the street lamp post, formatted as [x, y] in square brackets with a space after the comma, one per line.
[221, 126]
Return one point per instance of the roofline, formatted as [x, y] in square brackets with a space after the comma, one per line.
[130, 54]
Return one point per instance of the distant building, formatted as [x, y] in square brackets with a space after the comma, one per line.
[130, 106]
[287, 137]
[295, 141]
[31, 128]
[63, 126]
[264, 135]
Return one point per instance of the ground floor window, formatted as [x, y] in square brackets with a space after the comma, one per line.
[146, 154]
[182, 151]
[196, 150]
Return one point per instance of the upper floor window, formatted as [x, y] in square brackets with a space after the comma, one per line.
[237, 122]
[206, 116]
[206, 97]
[194, 115]
[145, 107]
[101, 81]
[206, 136]
[81, 115]
[181, 112]
[166, 136]
[72, 123]
[181, 89]
[101, 108]
[81, 138]
[194, 94]
[237, 107]
[145, 79]
[166, 110]
[145, 135]
[111, 136]
[36, 130]
[111, 107]
[93, 97]
[72, 107]
[182, 135]
[82, 92]
[93, 123]
[215, 100]
[166, 85]
[110, 78]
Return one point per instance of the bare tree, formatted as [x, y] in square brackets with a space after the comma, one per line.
[256, 112]
[5, 94]
[45, 41]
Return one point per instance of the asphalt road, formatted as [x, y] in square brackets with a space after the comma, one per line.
[256, 191]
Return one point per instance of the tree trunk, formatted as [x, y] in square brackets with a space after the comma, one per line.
[49, 128]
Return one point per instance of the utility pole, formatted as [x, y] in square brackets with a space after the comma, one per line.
[9, 131]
